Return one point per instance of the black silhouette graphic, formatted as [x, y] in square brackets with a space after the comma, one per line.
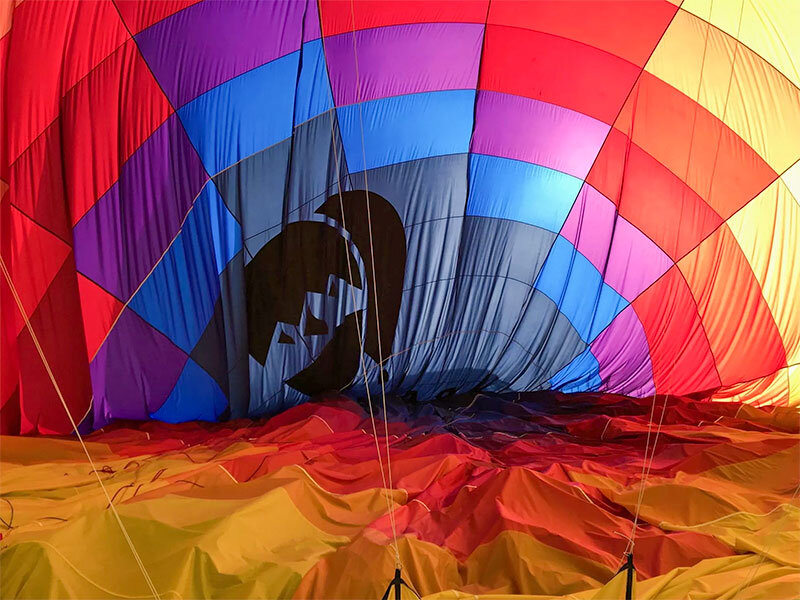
[301, 259]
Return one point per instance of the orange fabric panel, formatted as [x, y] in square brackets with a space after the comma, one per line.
[75, 36]
[556, 70]
[679, 349]
[489, 503]
[106, 117]
[625, 28]
[694, 145]
[663, 207]
[775, 389]
[724, 287]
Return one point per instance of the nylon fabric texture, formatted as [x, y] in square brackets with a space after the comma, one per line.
[570, 196]
[294, 507]
[489, 291]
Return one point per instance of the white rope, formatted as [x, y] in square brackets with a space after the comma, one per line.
[386, 485]
[363, 363]
[38, 346]
[374, 281]
[646, 472]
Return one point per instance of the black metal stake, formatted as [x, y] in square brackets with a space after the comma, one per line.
[628, 566]
[396, 583]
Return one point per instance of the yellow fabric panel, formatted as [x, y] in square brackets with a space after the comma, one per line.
[740, 577]
[780, 417]
[769, 27]
[768, 232]
[357, 567]
[88, 558]
[792, 180]
[616, 588]
[537, 567]
[240, 542]
[734, 84]
[772, 390]
[744, 503]
[775, 534]
[204, 534]
[676, 60]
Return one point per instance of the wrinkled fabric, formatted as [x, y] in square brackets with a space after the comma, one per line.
[209, 209]
[493, 497]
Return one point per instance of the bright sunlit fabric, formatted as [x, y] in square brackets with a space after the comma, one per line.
[572, 196]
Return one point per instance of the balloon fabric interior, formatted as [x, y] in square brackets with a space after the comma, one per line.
[502, 294]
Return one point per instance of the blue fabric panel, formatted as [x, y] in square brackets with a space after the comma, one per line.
[519, 191]
[178, 298]
[403, 128]
[226, 233]
[196, 396]
[573, 283]
[243, 115]
[582, 374]
[313, 87]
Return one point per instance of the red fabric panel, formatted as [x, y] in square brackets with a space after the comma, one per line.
[58, 327]
[337, 18]
[9, 398]
[655, 200]
[36, 255]
[5, 43]
[553, 69]
[141, 14]
[75, 37]
[606, 173]
[9, 409]
[629, 29]
[99, 309]
[679, 350]
[723, 284]
[695, 145]
[106, 117]
[9, 315]
[37, 183]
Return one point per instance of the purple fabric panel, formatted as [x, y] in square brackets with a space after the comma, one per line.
[635, 261]
[537, 132]
[311, 29]
[123, 235]
[589, 225]
[404, 59]
[624, 356]
[631, 261]
[211, 42]
[134, 371]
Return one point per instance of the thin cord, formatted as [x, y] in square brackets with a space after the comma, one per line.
[35, 339]
[374, 278]
[387, 487]
[765, 550]
[649, 463]
[361, 341]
